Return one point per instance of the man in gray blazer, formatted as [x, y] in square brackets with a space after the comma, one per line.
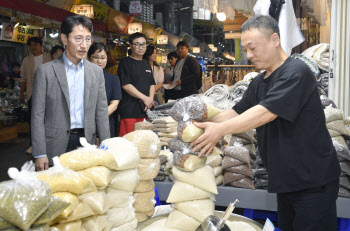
[69, 97]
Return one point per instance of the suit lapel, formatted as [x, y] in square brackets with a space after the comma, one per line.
[87, 83]
[60, 71]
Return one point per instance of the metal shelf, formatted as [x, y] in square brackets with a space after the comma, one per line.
[249, 199]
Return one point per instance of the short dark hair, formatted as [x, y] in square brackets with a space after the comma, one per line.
[72, 20]
[35, 40]
[149, 51]
[183, 44]
[172, 54]
[261, 22]
[55, 48]
[135, 36]
[97, 47]
[16, 64]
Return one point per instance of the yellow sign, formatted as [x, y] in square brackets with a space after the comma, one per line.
[85, 10]
[19, 34]
[100, 11]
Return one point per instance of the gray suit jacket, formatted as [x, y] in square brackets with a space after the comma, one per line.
[50, 122]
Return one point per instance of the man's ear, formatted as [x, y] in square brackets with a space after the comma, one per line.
[64, 39]
[275, 39]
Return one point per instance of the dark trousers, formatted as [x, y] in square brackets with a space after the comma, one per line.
[309, 210]
[74, 142]
[30, 118]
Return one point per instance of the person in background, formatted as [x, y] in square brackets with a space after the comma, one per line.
[169, 71]
[187, 74]
[158, 72]
[138, 85]
[98, 54]
[14, 77]
[284, 106]
[56, 52]
[69, 97]
[29, 66]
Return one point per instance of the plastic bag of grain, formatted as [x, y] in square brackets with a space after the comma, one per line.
[213, 160]
[62, 179]
[148, 168]
[144, 125]
[71, 226]
[125, 152]
[144, 186]
[188, 162]
[181, 221]
[144, 201]
[164, 120]
[186, 192]
[23, 199]
[97, 201]
[88, 156]
[56, 207]
[197, 209]
[142, 216]
[147, 143]
[128, 226]
[120, 216]
[70, 198]
[188, 132]
[80, 212]
[124, 180]
[95, 223]
[99, 175]
[238, 152]
[119, 198]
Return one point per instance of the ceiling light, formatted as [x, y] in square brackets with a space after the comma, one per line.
[53, 34]
[221, 16]
[16, 25]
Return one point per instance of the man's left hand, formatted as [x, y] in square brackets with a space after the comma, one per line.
[207, 141]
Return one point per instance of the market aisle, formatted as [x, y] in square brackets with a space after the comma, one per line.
[13, 154]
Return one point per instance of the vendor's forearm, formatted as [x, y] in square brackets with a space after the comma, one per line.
[252, 118]
[113, 106]
[131, 90]
[152, 91]
[224, 116]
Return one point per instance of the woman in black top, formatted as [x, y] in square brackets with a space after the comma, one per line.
[98, 54]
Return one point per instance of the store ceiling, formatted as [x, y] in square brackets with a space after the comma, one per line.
[61, 4]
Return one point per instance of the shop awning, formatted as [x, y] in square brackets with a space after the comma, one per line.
[44, 11]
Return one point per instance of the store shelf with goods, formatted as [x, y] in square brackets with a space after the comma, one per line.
[249, 199]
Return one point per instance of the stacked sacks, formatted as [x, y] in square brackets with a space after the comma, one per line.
[248, 140]
[343, 154]
[237, 168]
[166, 159]
[165, 128]
[214, 160]
[113, 170]
[148, 145]
[260, 173]
[27, 202]
[144, 125]
[336, 125]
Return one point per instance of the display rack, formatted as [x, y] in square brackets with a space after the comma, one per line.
[249, 199]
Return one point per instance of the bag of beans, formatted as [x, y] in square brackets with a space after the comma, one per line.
[188, 162]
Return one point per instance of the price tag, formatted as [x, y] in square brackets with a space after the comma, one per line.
[268, 225]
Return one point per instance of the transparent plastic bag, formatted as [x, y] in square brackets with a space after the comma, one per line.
[71, 226]
[181, 221]
[202, 178]
[95, 223]
[62, 179]
[144, 201]
[231, 176]
[188, 132]
[241, 169]
[99, 175]
[128, 226]
[214, 160]
[124, 180]
[193, 107]
[120, 216]
[188, 162]
[56, 207]
[228, 162]
[80, 212]
[143, 216]
[197, 209]
[144, 125]
[342, 151]
[144, 186]
[147, 142]
[333, 114]
[70, 198]
[186, 192]
[25, 198]
[165, 120]
[219, 180]
[148, 168]
[238, 152]
[119, 198]
[97, 201]
[88, 156]
[125, 152]
[243, 183]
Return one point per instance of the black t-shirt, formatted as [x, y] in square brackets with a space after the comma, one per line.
[113, 89]
[296, 147]
[139, 74]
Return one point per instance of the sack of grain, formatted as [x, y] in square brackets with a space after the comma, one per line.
[147, 143]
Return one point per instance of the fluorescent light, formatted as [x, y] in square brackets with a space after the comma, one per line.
[53, 34]
[221, 16]
[16, 25]
[0, 26]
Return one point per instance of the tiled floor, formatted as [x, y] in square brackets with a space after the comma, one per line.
[12, 154]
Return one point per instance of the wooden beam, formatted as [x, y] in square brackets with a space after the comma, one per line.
[232, 27]
[237, 20]
[236, 35]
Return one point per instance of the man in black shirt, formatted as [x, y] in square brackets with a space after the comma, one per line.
[284, 105]
[138, 86]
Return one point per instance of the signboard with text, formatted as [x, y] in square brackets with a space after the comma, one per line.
[85, 10]
[19, 34]
[134, 27]
[135, 8]
[162, 39]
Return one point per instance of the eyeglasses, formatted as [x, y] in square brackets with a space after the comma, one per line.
[96, 58]
[80, 40]
[138, 45]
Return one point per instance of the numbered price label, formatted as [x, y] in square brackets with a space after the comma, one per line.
[22, 34]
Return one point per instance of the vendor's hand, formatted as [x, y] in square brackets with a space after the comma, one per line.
[178, 83]
[41, 163]
[148, 101]
[207, 141]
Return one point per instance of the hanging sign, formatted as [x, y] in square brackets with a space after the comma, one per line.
[214, 49]
[135, 8]
[85, 10]
[196, 50]
[211, 46]
[162, 39]
[134, 27]
[19, 34]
